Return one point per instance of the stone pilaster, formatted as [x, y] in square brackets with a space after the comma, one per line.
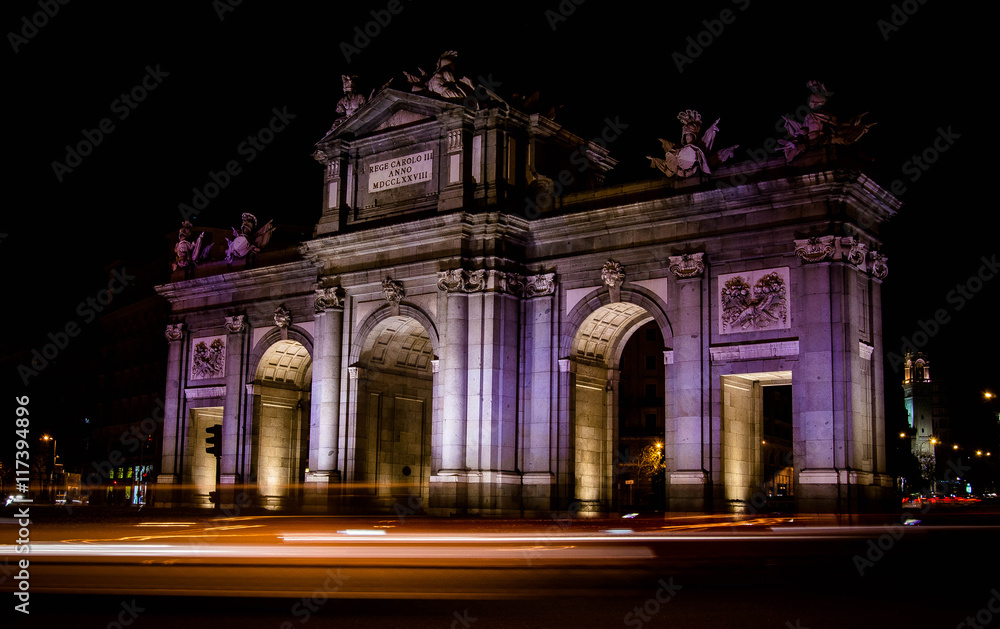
[454, 372]
[324, 427]
[688, 424]
[541, 382]
[229, 477]
[173, 410]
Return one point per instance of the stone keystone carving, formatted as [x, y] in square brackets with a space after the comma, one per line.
[687, 265]
[282, 317]
[693, 153]
[174, 331]
[393, 292]
[815, 249]
[613, 274]
[538, 285]
[235, 324]
[332, 297]
[879, 265]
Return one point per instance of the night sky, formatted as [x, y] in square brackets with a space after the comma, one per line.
[219, 72]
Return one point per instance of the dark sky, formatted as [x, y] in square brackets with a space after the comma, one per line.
[219, 74]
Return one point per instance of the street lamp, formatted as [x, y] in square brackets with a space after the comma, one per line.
[52, 470]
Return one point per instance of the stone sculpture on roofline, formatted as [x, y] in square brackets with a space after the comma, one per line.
[187, 253]
[240, 245]
[819, 127]
[693, 154]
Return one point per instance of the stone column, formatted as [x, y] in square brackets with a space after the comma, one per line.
[687, 425]
[541, 390]
[236, 328]
[173, 409]
[454, 371]
[878, 376]
[324, 425]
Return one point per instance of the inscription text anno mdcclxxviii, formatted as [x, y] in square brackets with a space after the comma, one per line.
[400, 171]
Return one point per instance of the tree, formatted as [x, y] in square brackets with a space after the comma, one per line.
[650, 461]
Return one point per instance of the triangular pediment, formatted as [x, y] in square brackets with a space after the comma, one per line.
[390, 109]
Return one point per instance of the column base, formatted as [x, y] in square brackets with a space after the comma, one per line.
[321, 491]
[686, 491]
[475, 493]
[843, 491]
[166, 492]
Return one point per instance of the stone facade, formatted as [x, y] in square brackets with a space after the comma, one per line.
[449, 341]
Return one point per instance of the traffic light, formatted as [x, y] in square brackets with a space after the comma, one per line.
[214, 440]
[213, 497]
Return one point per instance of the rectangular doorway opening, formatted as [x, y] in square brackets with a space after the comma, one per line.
[757, 467]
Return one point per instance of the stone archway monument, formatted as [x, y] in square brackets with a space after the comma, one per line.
[475, 238]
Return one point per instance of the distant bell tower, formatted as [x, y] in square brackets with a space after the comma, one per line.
[918, 396]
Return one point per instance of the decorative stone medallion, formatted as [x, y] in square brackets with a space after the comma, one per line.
[753, 301]
[208, 358]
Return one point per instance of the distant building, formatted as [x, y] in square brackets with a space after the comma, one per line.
[926, 409]
[479, 325]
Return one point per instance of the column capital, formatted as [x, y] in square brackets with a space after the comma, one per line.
[174, 332]
[461, 280]
[687, 265]
[815, 249]
[329, 298]
[236, 324]
[539, 285]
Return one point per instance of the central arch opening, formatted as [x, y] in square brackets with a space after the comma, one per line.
[618, 408]
[395, 394]
[281, 428]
